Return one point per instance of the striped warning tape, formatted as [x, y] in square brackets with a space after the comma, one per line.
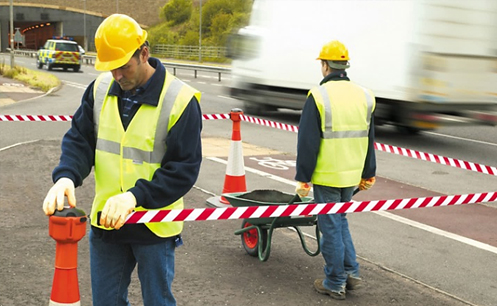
[34, 118]
[458, 163]
[296, 210]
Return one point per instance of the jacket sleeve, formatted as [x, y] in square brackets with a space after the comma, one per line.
[308, 141]
[180, 165]
[370, 162]
[78, 144]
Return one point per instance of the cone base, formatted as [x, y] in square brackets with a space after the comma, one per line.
[65, 288]
[52, 303]
[217, 203]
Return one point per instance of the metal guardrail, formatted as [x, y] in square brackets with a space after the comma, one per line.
[195, 68]
[90, 60]
[189, 52]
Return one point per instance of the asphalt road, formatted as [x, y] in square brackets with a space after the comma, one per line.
[433, 256]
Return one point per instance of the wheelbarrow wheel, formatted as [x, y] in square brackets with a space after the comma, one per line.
[251, 238]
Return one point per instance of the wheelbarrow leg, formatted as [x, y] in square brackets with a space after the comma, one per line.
[304, 245]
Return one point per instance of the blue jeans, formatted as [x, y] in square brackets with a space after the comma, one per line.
[337, 247]
[111, 266]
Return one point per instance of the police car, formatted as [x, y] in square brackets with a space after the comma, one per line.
[59, 52]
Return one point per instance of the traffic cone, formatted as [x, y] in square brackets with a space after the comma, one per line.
[66, 227]
[234, 180]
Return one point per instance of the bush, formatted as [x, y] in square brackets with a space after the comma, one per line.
[37, 79]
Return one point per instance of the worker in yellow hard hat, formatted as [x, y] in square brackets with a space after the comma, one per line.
[139, 127]
[335, 152]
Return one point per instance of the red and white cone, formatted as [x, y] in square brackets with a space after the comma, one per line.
[234, 180]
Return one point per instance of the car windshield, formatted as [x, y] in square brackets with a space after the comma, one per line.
[66, 47]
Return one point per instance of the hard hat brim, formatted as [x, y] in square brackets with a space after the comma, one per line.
[111, 65]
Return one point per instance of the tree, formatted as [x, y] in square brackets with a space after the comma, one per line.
[177, 11]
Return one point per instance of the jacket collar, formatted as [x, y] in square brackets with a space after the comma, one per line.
[335, 75]
[150, 92]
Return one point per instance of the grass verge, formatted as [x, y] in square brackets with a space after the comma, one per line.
[36, 79]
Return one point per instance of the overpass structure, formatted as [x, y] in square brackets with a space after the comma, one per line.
[37, 20]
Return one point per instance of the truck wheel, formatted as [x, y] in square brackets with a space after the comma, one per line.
[256, 108]
[409, 130]
[76, 68]
[39, 64]
[50, 67]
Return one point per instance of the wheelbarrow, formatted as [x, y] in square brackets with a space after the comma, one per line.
[256, 233]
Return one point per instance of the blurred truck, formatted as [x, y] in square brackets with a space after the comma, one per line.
[430, 63]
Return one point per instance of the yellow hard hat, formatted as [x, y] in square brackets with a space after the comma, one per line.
[116, 39]
[334, 51]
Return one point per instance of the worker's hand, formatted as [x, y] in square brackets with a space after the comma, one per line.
[64, 187]
[302, 189]
[365, 184]
[116, 209]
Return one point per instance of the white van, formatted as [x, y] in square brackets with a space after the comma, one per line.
[429, 62]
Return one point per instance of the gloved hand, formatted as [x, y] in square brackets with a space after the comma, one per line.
[365, 184]
[302, 189]
[116, 209]
[55, 196]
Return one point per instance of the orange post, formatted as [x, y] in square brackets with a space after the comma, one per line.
[66, 227]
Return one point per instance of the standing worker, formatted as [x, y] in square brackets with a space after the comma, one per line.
[139, 127]
[335, 152]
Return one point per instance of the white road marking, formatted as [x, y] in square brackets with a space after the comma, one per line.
[225, 97]
[461, 138]
[76, 85]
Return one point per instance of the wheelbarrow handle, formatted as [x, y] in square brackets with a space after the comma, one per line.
[296, 198]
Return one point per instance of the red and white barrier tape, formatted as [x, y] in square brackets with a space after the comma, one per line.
[34, 118]
[295, 210]
[458, 163]
[273, 124]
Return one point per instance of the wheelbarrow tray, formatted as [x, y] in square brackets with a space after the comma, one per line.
[263, 197]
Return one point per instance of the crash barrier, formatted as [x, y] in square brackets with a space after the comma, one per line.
[90, 60]
[296, 210]
[195, 68]
[458, 163]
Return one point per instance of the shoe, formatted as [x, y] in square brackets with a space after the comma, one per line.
[337, 295]
[353, 282]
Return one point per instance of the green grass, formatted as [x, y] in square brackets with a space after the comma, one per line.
[36, 79]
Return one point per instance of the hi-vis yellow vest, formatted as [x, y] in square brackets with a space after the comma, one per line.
[122, 157]
[345, 110]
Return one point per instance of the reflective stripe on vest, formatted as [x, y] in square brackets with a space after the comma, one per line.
[345, 109]
[123, 157]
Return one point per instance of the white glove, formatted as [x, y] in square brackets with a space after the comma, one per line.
[63, 187]
[302, 189]
[116, 209]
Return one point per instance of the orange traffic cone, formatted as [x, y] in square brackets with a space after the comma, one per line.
[67, 227]
[234, 180]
